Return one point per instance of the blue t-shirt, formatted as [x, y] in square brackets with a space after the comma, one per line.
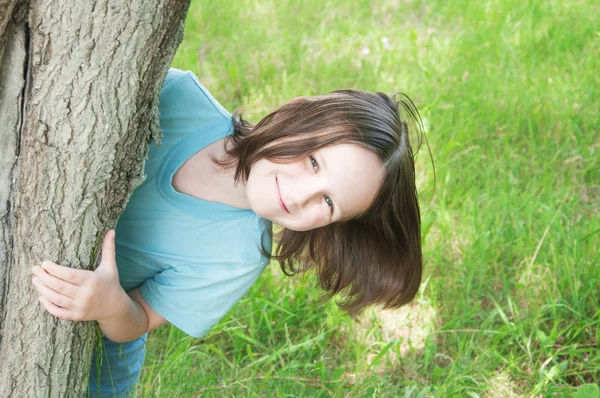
[193, 259]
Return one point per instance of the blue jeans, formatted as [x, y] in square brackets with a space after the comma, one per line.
[116, 373]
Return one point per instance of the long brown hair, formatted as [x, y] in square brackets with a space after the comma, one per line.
[374, 258]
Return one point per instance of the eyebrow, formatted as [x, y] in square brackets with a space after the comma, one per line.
[336, 204]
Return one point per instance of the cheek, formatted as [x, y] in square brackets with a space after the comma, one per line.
[305, 222]
[258, 179]
[258, 196]
[316, 219]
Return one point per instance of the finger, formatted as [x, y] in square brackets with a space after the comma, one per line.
[58, 285]
[108, 249]
[55, 310]
[36, 269]
[54, 297]
[72, 275]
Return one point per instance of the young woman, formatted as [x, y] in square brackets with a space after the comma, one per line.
[336, 172]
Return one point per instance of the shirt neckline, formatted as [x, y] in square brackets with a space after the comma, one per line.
[177, 156]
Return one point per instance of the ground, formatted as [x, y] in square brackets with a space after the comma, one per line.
[510, 298]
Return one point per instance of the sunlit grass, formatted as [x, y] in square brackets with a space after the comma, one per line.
[509, 91]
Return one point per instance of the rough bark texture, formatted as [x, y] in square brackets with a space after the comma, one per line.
[79, 87]
[12, 69]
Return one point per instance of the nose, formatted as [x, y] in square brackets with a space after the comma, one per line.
[308, 191]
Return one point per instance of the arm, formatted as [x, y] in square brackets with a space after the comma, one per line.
[135, 318]
[82, 295]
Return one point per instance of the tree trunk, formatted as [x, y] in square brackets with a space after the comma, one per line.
[79, 85]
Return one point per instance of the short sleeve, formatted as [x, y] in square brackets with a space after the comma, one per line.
[194, 298]
[185, 105]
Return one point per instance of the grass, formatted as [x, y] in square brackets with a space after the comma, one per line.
[510, 94]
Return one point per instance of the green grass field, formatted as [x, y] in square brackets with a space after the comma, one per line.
[509, 306]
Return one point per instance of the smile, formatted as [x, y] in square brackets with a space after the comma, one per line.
[281, 200]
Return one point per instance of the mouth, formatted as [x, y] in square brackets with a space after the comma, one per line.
[279, 195]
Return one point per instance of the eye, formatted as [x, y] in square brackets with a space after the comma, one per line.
[329, 202]
[314, 163]
[315, 166]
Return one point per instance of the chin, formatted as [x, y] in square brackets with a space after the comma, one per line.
[285, 225]
[297, 228]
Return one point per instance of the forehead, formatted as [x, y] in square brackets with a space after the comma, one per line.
[354, 174]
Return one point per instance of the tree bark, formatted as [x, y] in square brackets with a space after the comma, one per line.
[79, 85]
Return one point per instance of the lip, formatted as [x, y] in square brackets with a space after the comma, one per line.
[281, 200]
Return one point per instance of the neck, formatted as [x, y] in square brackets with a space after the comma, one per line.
[204, 179]
[230, 193]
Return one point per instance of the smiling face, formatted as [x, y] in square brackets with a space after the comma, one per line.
[334, 183]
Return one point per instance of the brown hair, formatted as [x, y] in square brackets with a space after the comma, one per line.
[374, 258]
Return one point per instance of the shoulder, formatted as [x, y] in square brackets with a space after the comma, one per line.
[177, 79]
[182, 94]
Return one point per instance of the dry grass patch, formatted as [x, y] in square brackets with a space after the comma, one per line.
[410, 325]
[450, 234]
[501, 386]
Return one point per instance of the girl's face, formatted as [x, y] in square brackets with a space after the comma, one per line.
[334, 183]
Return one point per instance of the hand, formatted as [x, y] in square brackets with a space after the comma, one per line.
[81, 295]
